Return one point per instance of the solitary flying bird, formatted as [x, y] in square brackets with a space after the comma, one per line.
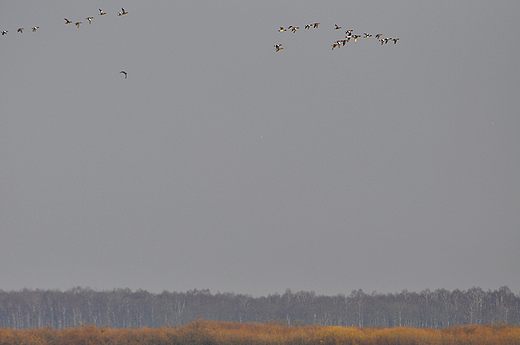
[122, 13]
[90, 19]
[35, 28]
[126, 74]
[20, 30]
[77, 24]
[67, 21]
[4, 32]
[278, 47]
[101, 13]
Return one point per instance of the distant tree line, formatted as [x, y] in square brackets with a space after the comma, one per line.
[124, 308]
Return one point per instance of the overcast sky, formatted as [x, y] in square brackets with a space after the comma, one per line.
[222, 164]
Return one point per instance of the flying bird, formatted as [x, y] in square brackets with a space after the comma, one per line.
[20, 30]
[126, 74]
[67, 21]
[316, 25]
[378, 36]
[336, 27]
[90, 19]
[4, 32]
[101, 13]
[293, 28]
[395, 40]
[281, 29]
[122, 13]
[278, 47]
[35, 28]
[77, 24]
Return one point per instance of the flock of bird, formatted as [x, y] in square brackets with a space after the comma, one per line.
[278, 47]
[101, 13]
[339, 43]
[77, 24]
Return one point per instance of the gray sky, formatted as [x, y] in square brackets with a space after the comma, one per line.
[222, 164]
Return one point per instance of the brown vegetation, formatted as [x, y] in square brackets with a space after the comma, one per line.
[231, 333]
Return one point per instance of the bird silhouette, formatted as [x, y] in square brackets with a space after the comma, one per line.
[125, 73]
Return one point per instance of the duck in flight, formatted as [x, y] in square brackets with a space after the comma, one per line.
[278, 47]
[122, 13]
[125, 73]
[336, 27]
[101, 13]
[77, 24]
[35, 28]
[90, 19]
[67, 21]
[4, 32]
[20, 30]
